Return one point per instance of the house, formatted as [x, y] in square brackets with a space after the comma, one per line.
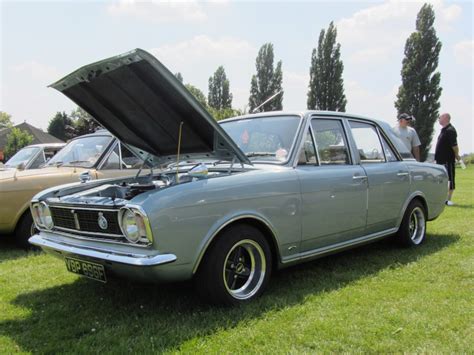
[38, 136]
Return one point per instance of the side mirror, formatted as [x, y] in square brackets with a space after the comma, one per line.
[21, 166]
[85, 176]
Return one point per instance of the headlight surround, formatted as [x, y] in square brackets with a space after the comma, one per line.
[42, 215]
[134, 225]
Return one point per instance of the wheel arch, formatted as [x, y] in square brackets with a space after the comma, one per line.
[263, 226]
[415, 196]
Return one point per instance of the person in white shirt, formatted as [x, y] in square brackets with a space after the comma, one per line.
[408, 134]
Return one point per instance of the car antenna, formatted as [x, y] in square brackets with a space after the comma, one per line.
[267, 100]
[179, 149]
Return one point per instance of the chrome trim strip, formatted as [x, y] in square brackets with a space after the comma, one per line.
[350, 243]
[75, 207]
[88, 233]
[108, 241]
[103, 254]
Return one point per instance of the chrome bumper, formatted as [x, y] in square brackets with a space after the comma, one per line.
[102, 254]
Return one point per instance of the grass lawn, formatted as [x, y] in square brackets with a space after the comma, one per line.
[377, 298]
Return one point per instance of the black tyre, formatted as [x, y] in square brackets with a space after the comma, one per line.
[236, 268]
[24, 230]
[413, 227]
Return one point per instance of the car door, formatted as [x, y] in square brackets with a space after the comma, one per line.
[333, 189]
[119, 162]
[388, 177]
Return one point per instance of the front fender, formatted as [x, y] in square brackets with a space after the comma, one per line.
[226, 221]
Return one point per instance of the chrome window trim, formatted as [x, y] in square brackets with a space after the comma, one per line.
[376, 128]
[347, 142]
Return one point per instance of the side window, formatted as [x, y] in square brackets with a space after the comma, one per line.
[39, 160]
[330, 142]
[129, 160]
[389, 154]
[367, 142]
[113, 161]
[308, 152]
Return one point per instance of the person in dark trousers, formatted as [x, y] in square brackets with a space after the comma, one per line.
[447, 151]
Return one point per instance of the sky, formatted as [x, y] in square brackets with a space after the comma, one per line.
[42, 41]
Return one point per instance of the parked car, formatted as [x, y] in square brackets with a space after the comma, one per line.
[99, 155]
[33, 156]
[231, 202]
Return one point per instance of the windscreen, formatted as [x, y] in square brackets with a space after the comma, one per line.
[264, 139]
[81, 152]
[23, 156]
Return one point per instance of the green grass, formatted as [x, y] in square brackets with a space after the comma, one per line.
[377, 298]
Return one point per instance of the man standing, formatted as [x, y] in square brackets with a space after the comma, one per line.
[447, 151]
[408, 134]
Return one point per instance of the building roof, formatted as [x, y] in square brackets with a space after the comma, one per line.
[38, 135]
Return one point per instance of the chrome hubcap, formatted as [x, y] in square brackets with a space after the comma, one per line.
[244, 269]
[417, 225]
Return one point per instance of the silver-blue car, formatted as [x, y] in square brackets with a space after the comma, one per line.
[226, 204]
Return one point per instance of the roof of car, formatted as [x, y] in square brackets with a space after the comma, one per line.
[301, 114]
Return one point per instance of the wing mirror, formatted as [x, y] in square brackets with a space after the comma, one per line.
[85, 176]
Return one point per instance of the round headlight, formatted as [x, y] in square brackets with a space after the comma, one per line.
[46, 219]
[133, 226]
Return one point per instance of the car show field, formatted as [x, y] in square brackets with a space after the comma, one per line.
[376, 298]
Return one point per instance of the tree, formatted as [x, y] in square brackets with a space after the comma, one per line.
[326, 86]
[198, 94]
[267, 82]
[420, 90]
[219, 96]
[224, 113]
[83, 123]
[5, 120]
[61, 126]
[179, 76]
[16, 140]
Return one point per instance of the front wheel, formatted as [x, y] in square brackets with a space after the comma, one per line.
[24, 230]
[413, 227]
[236, 268]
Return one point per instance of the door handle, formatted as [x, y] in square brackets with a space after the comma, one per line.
[359, 177]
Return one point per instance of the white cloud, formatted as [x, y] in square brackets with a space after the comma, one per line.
[464, 53]
[203, 48]
[162, 11]
[198, 58]
[378, 32]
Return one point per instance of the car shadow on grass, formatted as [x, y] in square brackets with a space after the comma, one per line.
[124, 316]
[9, 250]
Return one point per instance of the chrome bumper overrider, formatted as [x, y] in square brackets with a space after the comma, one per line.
[102, 254]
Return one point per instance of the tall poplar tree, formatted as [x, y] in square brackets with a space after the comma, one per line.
[326, 87]
[267, 81]
[420, 90]
[219, 96]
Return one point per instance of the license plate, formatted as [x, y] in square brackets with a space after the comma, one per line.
[85, 268]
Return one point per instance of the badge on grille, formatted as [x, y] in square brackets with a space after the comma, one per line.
[102, 221]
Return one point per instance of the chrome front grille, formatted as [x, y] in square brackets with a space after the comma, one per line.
[87, 221]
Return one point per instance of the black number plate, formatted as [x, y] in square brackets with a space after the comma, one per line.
[87, 269]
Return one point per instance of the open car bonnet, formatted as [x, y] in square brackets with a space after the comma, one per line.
[143, 104]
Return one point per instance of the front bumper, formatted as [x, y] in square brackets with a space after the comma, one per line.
[135, 266]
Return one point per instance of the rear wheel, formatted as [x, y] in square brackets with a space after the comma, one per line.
[413, 227]
[236, 268]
[24, 230]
